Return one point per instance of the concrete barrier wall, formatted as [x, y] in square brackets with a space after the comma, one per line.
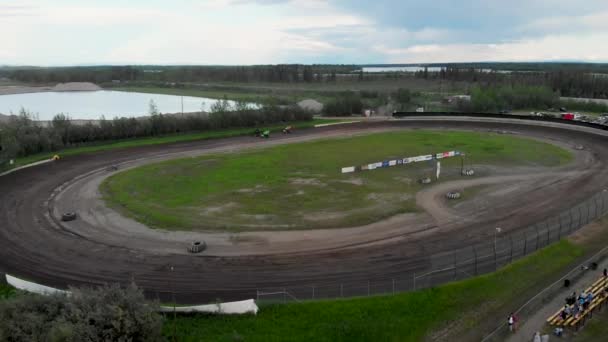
[502, 116]
[230, 308]
[29, 286]
[26, 166]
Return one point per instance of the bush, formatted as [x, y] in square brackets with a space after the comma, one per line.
[344, 105]
[104, 314]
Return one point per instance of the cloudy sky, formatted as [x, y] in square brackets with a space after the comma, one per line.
[66, 32]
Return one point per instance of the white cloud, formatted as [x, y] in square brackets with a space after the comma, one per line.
[549, 48]
[268, 31]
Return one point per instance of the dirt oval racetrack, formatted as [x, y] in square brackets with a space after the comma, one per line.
[33, 246]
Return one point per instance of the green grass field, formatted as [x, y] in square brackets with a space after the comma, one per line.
[299, 186]
[117, 144]
[404, 317]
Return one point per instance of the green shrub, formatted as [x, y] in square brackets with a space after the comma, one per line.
[108, 313]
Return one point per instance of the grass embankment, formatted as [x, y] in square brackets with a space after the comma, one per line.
[117, 144]
[455, 307]
[299, 186]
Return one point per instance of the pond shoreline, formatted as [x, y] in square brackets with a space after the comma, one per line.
[83, 104]
[60, 87]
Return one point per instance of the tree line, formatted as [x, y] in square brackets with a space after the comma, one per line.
[287, 73]
[567, 82]
[21, 136]
[506, 98]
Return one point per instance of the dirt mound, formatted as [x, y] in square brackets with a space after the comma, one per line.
[311, 105]
[76, 86]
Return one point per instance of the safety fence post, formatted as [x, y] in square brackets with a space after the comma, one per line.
[475, 256]
[559, 235]
[414, 281]
[511, 238]
[368, 288]
[525, 242]
[537, 238]
[595, 214]
[495, 259]
[341, 290]
[454, 254]
[313, 292]
[393, 286]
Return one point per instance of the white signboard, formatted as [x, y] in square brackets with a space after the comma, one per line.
[348, 169]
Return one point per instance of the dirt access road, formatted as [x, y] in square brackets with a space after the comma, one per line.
[34, 247]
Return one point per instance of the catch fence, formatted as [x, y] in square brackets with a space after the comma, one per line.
[502, 249]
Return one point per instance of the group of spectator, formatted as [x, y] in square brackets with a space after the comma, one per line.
[575, 306]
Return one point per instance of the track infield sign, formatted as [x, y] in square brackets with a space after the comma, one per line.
[403, 161]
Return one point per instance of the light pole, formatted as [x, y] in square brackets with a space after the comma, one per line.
[496, 232]
[174, 309]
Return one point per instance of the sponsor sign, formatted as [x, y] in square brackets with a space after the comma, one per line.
[389, 163]
[348, 169]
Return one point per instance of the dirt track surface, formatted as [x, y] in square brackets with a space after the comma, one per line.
[34, 246]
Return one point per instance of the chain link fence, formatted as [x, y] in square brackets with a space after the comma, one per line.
[502, 249]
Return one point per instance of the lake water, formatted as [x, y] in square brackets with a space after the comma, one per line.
[418, 68]
[400, 69]
[91, 105]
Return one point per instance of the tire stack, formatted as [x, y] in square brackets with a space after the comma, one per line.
[426, 180]
[197, 247]
[468, 172]
[452, 195]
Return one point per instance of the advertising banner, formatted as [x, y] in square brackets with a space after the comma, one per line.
[389, 163]
[348, 169]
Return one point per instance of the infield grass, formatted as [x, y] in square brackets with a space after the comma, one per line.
[299, 186]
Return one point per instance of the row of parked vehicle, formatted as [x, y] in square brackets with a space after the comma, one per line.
[602, 119]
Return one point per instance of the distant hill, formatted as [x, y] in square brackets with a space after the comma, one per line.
[3, 118]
